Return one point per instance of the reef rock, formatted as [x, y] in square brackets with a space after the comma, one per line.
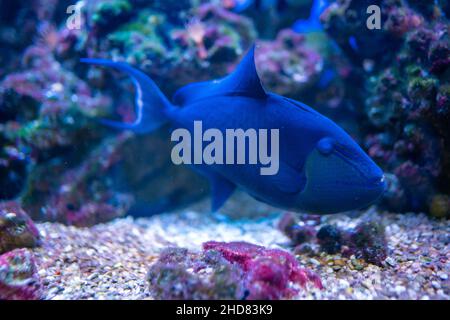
[367, 240]
[233, 270]
[82, 195]
[181, 274]
[18, 276]
[402, 94]
[17, 230]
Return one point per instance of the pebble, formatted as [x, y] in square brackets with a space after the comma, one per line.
[357, 264]
[391, 261]
[435, 284]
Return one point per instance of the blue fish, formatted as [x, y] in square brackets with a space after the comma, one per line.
[312, 24]
[322, 169]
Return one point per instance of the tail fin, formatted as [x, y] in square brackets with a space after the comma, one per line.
[150, 102]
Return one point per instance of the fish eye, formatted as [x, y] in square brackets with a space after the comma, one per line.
[325, 146]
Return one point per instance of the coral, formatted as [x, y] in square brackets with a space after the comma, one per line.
[343, 21]
[234, 270]
[404, 94]
[49, 134]
[267, 271]
[13, 165]
[80, 196]
[180, 274]
[287, 65]
[18, 276]
[42, 117]
[107, 14]
[17, 230]
[48, 124]
[368, 241]
[174, 52]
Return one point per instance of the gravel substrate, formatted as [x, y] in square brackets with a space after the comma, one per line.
[110, 261]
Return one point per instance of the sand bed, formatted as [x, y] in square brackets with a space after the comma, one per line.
[110, 261]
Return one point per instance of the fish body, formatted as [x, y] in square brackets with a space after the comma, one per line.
[321, 168]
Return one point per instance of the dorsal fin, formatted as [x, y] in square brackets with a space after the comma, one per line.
[244, 81]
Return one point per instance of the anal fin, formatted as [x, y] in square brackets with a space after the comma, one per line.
[221, 190]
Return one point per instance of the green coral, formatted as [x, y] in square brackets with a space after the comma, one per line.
[106, 12]
[422, 87]
[140, 37]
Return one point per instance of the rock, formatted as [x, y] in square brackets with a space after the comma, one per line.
[17, 230]
[330, 239]
[405, 94]
[18, 276]
[391, 262]
[440, 206]
[227, 270]
[368, 240]
[181, 274]
[298, 234]
[82, 195]
[267, 272]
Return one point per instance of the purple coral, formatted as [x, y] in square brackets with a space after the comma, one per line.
[18, 276]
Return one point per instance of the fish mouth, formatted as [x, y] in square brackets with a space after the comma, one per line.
[377, 183]
[376, 189]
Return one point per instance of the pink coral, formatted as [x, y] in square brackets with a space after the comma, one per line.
[267, 272]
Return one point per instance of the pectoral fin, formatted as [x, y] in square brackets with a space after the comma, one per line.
[288, 179]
